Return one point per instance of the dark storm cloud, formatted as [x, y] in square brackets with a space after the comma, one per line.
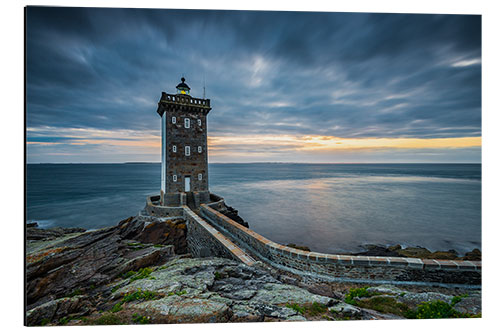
[340, 74]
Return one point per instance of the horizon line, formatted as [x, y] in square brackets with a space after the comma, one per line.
[262, 163]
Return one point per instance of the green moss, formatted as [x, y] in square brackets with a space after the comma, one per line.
[316, 308]
[435, 309]
[108, 319]
[117, 307]
[138, 319]
[178, 293]
[358, 292]
[158, 245]
[457, 299]
[384, 304]
[64, 320]
[44, 321]
[313, 309]
[75, 292]
[296, 307]
[128, 274]
[218, 275]
[144, 295]
[143, 273]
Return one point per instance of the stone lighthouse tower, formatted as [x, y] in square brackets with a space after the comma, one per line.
[184, 158]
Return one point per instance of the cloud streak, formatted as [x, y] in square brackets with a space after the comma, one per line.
[346, 75]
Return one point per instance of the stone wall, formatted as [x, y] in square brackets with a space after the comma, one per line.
[205, 241]
[331, 267]
[154, 208]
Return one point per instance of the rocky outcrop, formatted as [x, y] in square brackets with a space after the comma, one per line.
[35, 233]
[474, 255]
[416, 252]
[75, 306]
[130, 274]
[232, 213]
[91, 259]
[216, 290]
[153, 230]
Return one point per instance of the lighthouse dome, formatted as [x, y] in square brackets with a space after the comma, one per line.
[183, 88]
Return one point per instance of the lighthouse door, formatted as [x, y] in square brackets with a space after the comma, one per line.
[187, 184]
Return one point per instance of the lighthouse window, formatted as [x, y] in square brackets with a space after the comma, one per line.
[199, 122]
[174, 120]
[187, 122]
[200, 176]
[174, 148]
[187, 150]
[199, 149]
[174, 178]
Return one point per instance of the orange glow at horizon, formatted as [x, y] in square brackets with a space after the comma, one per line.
[260, 145]
[327, 143]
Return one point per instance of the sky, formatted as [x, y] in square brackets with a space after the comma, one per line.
[317, 87]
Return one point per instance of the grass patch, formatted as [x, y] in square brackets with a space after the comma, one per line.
[117, 307]
[44, 321]
[138, 319]
[384, 305]
[434, 310]
[128, 274]
[143, 273]
[218, 275]
[296, 307]
[139, 295]
[143, 295]
[457, 299]
[178, 293]
[316, 308]
[358, 293]
[313, 309]
[108, 319]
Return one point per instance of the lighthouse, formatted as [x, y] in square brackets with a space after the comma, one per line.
[184, 154]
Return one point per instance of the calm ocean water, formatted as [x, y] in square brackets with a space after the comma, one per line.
[328, 207]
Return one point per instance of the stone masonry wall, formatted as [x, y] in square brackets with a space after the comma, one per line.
[330, 267]
[154, 209]
[205, 241]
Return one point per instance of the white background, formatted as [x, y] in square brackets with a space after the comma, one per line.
[12, 174]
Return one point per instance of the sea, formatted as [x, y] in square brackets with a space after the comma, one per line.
[330, 208]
